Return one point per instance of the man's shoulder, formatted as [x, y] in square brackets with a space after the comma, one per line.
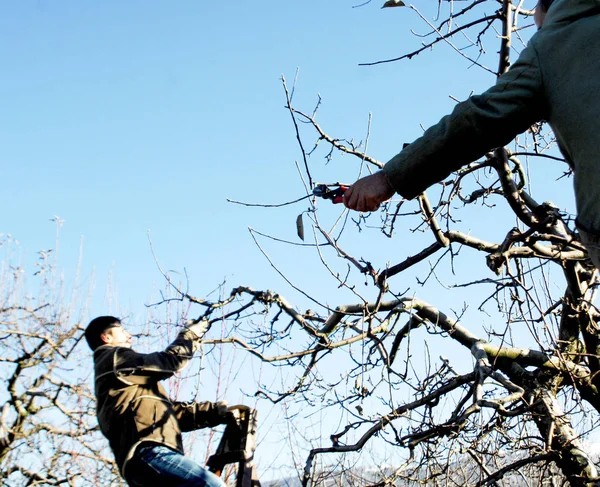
[108, 357]
[105, 350]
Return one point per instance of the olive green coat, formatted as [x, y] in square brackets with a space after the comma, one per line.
[132, 405]
[556, 78]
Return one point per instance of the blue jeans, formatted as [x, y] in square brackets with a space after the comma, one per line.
[157, 465]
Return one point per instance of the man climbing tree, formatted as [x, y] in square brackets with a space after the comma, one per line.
[554, 79]
[142, 425]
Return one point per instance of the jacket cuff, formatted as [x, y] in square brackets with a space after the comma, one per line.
[189, 335]
[208, 414]
[395, 171]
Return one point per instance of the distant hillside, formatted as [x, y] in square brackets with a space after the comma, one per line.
[465, 472]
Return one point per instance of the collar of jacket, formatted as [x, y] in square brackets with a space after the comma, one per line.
[570, 10]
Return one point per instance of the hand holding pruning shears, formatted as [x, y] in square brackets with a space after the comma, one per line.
[325, 191]
[366, 194]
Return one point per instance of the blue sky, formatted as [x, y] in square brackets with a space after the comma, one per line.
[128, 117]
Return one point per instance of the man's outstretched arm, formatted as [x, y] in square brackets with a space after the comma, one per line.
[196, 415]
[475, 127]
[142, 368]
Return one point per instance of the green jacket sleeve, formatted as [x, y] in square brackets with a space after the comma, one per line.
[475, 127]
[195, 415]
[144, 368]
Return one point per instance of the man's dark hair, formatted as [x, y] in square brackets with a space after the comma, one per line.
[98, 326]
[546, 4]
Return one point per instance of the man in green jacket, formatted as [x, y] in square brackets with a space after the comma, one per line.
[142, 424]
[556, 78]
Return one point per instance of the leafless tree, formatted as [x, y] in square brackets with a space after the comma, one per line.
[514, 391]
[525, 392]
[47, 421]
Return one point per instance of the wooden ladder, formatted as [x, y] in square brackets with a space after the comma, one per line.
[237, 445]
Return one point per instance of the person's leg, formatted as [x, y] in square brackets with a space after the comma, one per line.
[161, 466]
[592, 244]
[139, 474]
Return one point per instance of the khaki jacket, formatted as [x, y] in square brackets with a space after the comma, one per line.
[556, 78]
[132, 405]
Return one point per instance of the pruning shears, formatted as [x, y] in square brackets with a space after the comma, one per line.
[333, 192]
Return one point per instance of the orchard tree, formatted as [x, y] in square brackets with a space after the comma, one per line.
[471, 359]
[520, 391]
[48, 429]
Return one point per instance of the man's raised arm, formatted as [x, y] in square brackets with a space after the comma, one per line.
[142, 368]
[474, 127]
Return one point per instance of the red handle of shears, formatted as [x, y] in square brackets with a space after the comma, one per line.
[340, 198]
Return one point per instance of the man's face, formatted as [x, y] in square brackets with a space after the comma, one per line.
[117, 337]
[540, 15]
